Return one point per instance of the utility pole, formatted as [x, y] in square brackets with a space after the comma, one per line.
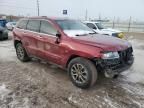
[129, 23]
[38, 7]
[99, 17]
[86, 14]
[114, 22]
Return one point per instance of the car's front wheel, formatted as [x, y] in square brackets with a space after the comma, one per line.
[82, 72]
[21, 53]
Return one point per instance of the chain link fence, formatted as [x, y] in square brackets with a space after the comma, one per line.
[127, 27]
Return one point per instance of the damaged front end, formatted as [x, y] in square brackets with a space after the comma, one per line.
[113, 66]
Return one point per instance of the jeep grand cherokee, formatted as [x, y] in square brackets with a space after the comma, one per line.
[73, 46]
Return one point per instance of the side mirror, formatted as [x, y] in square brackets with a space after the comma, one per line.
[58, 35]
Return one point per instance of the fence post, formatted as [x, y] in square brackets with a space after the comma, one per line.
[129, 24]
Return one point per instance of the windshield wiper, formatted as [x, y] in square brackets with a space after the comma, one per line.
[93, 33]
[86, 34]
[81, 34]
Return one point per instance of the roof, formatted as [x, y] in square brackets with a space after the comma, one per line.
[45, 17]
[91, 22]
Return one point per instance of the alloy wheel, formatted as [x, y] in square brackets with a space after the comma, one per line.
[20, 52]
[79, 73]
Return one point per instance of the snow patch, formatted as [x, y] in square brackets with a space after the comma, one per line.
[24, 103]
[109, 102]
[3, 91]
[136, 90]
[137, 103]
[15, 103]
[136, 73]
[72, 100]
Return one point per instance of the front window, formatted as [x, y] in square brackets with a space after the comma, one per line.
[47, 28]
[13, 23]
[100, 26]
[74, 28]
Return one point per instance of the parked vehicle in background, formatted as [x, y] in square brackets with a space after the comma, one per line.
[3, 30]
[10, 25]
[100, 29]
[73, 46]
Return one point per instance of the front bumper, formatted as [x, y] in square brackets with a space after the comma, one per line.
[112, 67]
[116, 64]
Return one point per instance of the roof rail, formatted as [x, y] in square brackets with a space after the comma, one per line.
[44, 16]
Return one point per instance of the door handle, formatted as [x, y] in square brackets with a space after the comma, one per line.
[40, 36]
[24, 32]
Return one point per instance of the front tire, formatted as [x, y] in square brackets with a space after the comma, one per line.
[82, 72]
[21, 53]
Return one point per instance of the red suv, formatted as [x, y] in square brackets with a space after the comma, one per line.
[73, 46]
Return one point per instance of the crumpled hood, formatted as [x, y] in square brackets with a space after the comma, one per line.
[107, 43]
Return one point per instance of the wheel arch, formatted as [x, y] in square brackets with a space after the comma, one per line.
[16, 42]
[70, 58]
[75, 56]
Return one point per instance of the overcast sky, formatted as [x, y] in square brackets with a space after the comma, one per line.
[76, 8]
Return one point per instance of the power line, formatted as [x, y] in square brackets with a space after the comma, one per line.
[21, 10]
[10, 2]
[17, 3]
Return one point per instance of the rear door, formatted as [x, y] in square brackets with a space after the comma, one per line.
[53, 51]
[31, 36]
[20, 32]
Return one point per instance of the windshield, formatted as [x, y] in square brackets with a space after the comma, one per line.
[100, 26]
[13, 23]
[74, 27]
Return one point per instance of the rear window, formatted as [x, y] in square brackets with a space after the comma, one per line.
[33, 25]
[22, 24]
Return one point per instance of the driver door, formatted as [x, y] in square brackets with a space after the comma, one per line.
[52, 50]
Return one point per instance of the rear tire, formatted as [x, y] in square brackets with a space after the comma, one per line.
[21, 53]
[82, 72]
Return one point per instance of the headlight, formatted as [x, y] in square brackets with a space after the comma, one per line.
[110, 55]
[121, 35]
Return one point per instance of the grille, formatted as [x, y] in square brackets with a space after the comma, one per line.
[125, 54]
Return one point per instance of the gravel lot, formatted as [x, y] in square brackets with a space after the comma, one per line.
[37, 84]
